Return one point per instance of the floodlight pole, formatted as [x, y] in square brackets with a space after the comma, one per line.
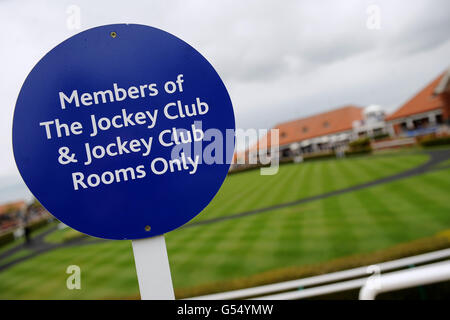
[153, 270]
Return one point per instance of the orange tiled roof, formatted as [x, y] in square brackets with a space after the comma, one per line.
[321, 124]
[423, 101]
[12, 205]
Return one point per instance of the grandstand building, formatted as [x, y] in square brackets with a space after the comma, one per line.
[426, 113]
[324, 132]
[11, 215]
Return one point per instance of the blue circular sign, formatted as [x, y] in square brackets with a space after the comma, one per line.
[123, 131]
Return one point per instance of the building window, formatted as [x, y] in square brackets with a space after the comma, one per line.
[283, 134]
[377, 131]
[326, 124]
[286, 153]
[305, 129]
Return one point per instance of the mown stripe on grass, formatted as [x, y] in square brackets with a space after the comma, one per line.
[276, 191]
[298, 180]
[415, 199]
[337, 214]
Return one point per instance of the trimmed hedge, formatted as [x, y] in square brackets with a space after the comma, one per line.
[381, 136]
[6, 238]
[360, 146]
[359, 143]
[431, 142]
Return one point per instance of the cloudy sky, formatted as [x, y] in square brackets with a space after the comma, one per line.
[280, 60]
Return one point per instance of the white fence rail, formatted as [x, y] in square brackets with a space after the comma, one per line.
[433, 273]
[329, 283]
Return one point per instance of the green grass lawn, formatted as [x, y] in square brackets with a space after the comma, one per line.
[249, 190]
[357, 222]
[18, 254]
[444, 163]
[63, 235]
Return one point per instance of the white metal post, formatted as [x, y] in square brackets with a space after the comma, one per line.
[153, 270]
[398, 280]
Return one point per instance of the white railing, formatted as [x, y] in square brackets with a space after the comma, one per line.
[330, 283]
[433, 273]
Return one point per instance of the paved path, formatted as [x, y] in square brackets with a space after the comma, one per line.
[39, 245]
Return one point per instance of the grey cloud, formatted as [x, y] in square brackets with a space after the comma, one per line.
[279, 59]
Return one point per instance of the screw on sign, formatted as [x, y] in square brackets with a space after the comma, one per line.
[109, 134]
